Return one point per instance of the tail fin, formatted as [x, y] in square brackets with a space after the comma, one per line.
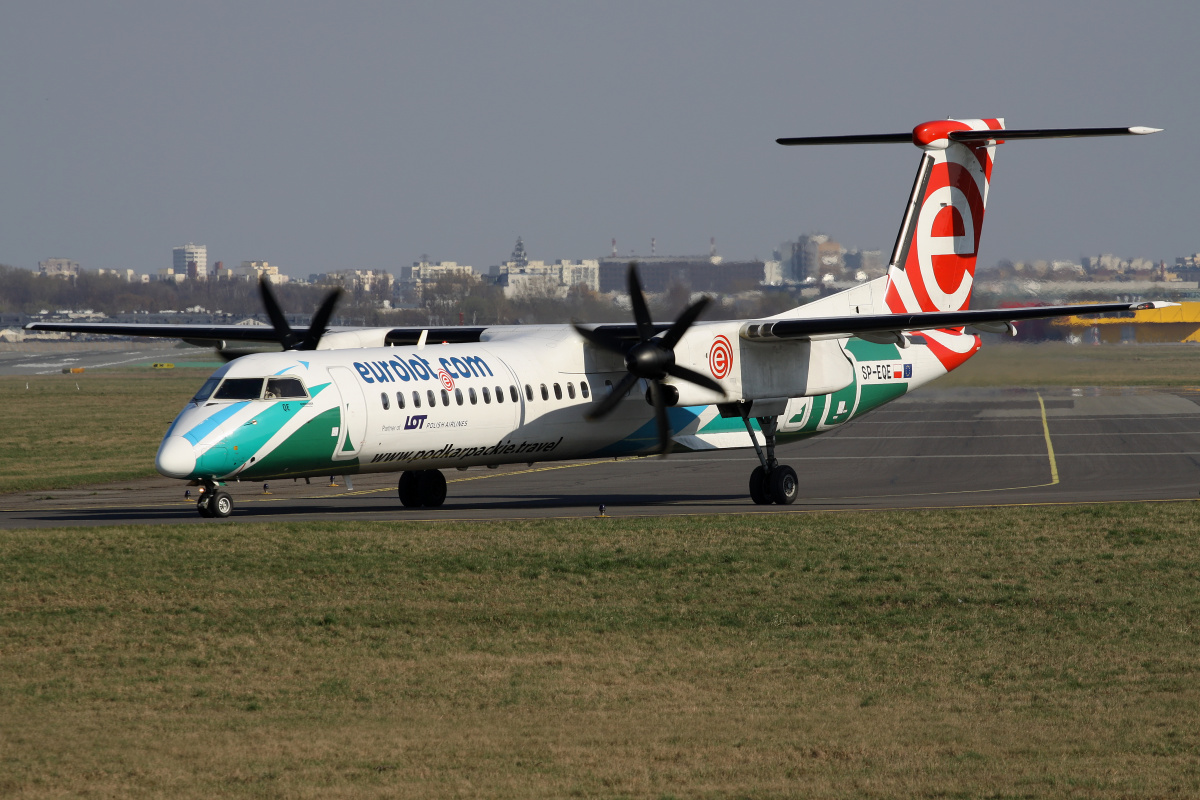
[933, 263]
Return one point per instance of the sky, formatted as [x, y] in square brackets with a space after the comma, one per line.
[364, 135]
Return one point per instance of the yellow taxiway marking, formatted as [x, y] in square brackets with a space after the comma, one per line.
[1049, 444]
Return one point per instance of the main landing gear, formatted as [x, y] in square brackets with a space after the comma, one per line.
[425, 487]
[771, 482]
[213, 502]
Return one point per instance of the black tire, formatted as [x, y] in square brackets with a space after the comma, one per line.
[759, 492]
[431, 485]
[221, 505]
[202, 505]
[784, 485]
[410, 493]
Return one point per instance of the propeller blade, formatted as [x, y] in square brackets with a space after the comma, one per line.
[676, 331]
[660, 418]
[278, 321]
[607, 404]
[320, 320]
[601, 340]
[683, 373]
[641, 314]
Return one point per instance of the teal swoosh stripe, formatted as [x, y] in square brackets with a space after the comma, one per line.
[196, 434]
[647, 435]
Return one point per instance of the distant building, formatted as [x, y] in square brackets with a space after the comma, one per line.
[424, 271]
[191, 261]
[700, 273]
[127, 275]
[519, 276]
[58, 268]
[169, 275]
[869, 262]
[254, 270]
[356, 279]
[813, 256]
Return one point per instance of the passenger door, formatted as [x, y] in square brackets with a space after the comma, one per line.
[354, 414]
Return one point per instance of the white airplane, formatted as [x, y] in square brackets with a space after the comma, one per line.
[418, 401]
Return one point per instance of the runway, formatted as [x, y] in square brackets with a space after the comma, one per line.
[53, 359]
[933, 449]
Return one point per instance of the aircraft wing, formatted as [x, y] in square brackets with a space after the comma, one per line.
[994, 320]
[220, 336]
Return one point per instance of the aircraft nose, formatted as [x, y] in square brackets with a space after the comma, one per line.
[176, 458]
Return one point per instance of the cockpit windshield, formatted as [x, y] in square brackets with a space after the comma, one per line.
[277, 388]
[206, 390]
[285, 389]
[240, 389]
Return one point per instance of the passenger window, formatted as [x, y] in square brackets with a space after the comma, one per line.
[608, 385]
[471, 394]
[416, 399]
[487, 396]
[446, 397]
[432, 398]
[570, 390]
[545, 392]
[557, 392]
[583, 389]
[399, 399]
[285, 389]
[512, 393]
[529, 392]
[458, 396]
[383, 398]
[239, 389]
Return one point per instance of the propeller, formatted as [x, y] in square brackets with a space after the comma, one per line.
[297, 340]
[652, 359]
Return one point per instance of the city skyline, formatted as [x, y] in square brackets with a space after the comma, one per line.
[323, 137]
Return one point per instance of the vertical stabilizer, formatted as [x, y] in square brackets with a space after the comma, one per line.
[933, 263]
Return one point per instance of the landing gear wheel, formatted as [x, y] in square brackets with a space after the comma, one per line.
[784, 485]
[410, 495]
[203, 505]
[221, 505]
[431, 485]
[759, 491]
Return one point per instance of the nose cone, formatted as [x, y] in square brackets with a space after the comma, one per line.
[176, 458]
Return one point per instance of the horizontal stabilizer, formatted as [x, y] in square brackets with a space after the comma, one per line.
[972, 136]
[866, 138]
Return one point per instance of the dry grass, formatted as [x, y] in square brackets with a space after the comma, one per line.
[990, 653]
[54, 435]
[1060, 364]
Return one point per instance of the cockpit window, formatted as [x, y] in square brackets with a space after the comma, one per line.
[239, 389]
[285, 389]
[206, 390]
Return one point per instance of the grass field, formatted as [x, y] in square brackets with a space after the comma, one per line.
[1039, 652]
[1060, 364]
[56, 436]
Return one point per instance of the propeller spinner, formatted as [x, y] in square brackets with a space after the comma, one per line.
[652, 359]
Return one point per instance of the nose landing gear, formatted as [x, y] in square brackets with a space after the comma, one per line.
[770, 482]
[213, 502]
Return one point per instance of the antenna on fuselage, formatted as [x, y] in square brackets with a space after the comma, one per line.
[421, 341]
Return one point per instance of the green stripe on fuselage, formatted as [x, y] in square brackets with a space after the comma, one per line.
[308, 451]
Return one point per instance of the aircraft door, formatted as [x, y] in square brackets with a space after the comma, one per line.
[353, 414]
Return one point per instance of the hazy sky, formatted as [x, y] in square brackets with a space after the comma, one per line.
[330, 135]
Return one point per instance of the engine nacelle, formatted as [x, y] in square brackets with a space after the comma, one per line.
[349, 340]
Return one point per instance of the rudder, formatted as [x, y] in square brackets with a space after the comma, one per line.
[933, 262]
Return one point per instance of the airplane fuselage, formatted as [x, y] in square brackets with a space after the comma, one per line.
[516, 399]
